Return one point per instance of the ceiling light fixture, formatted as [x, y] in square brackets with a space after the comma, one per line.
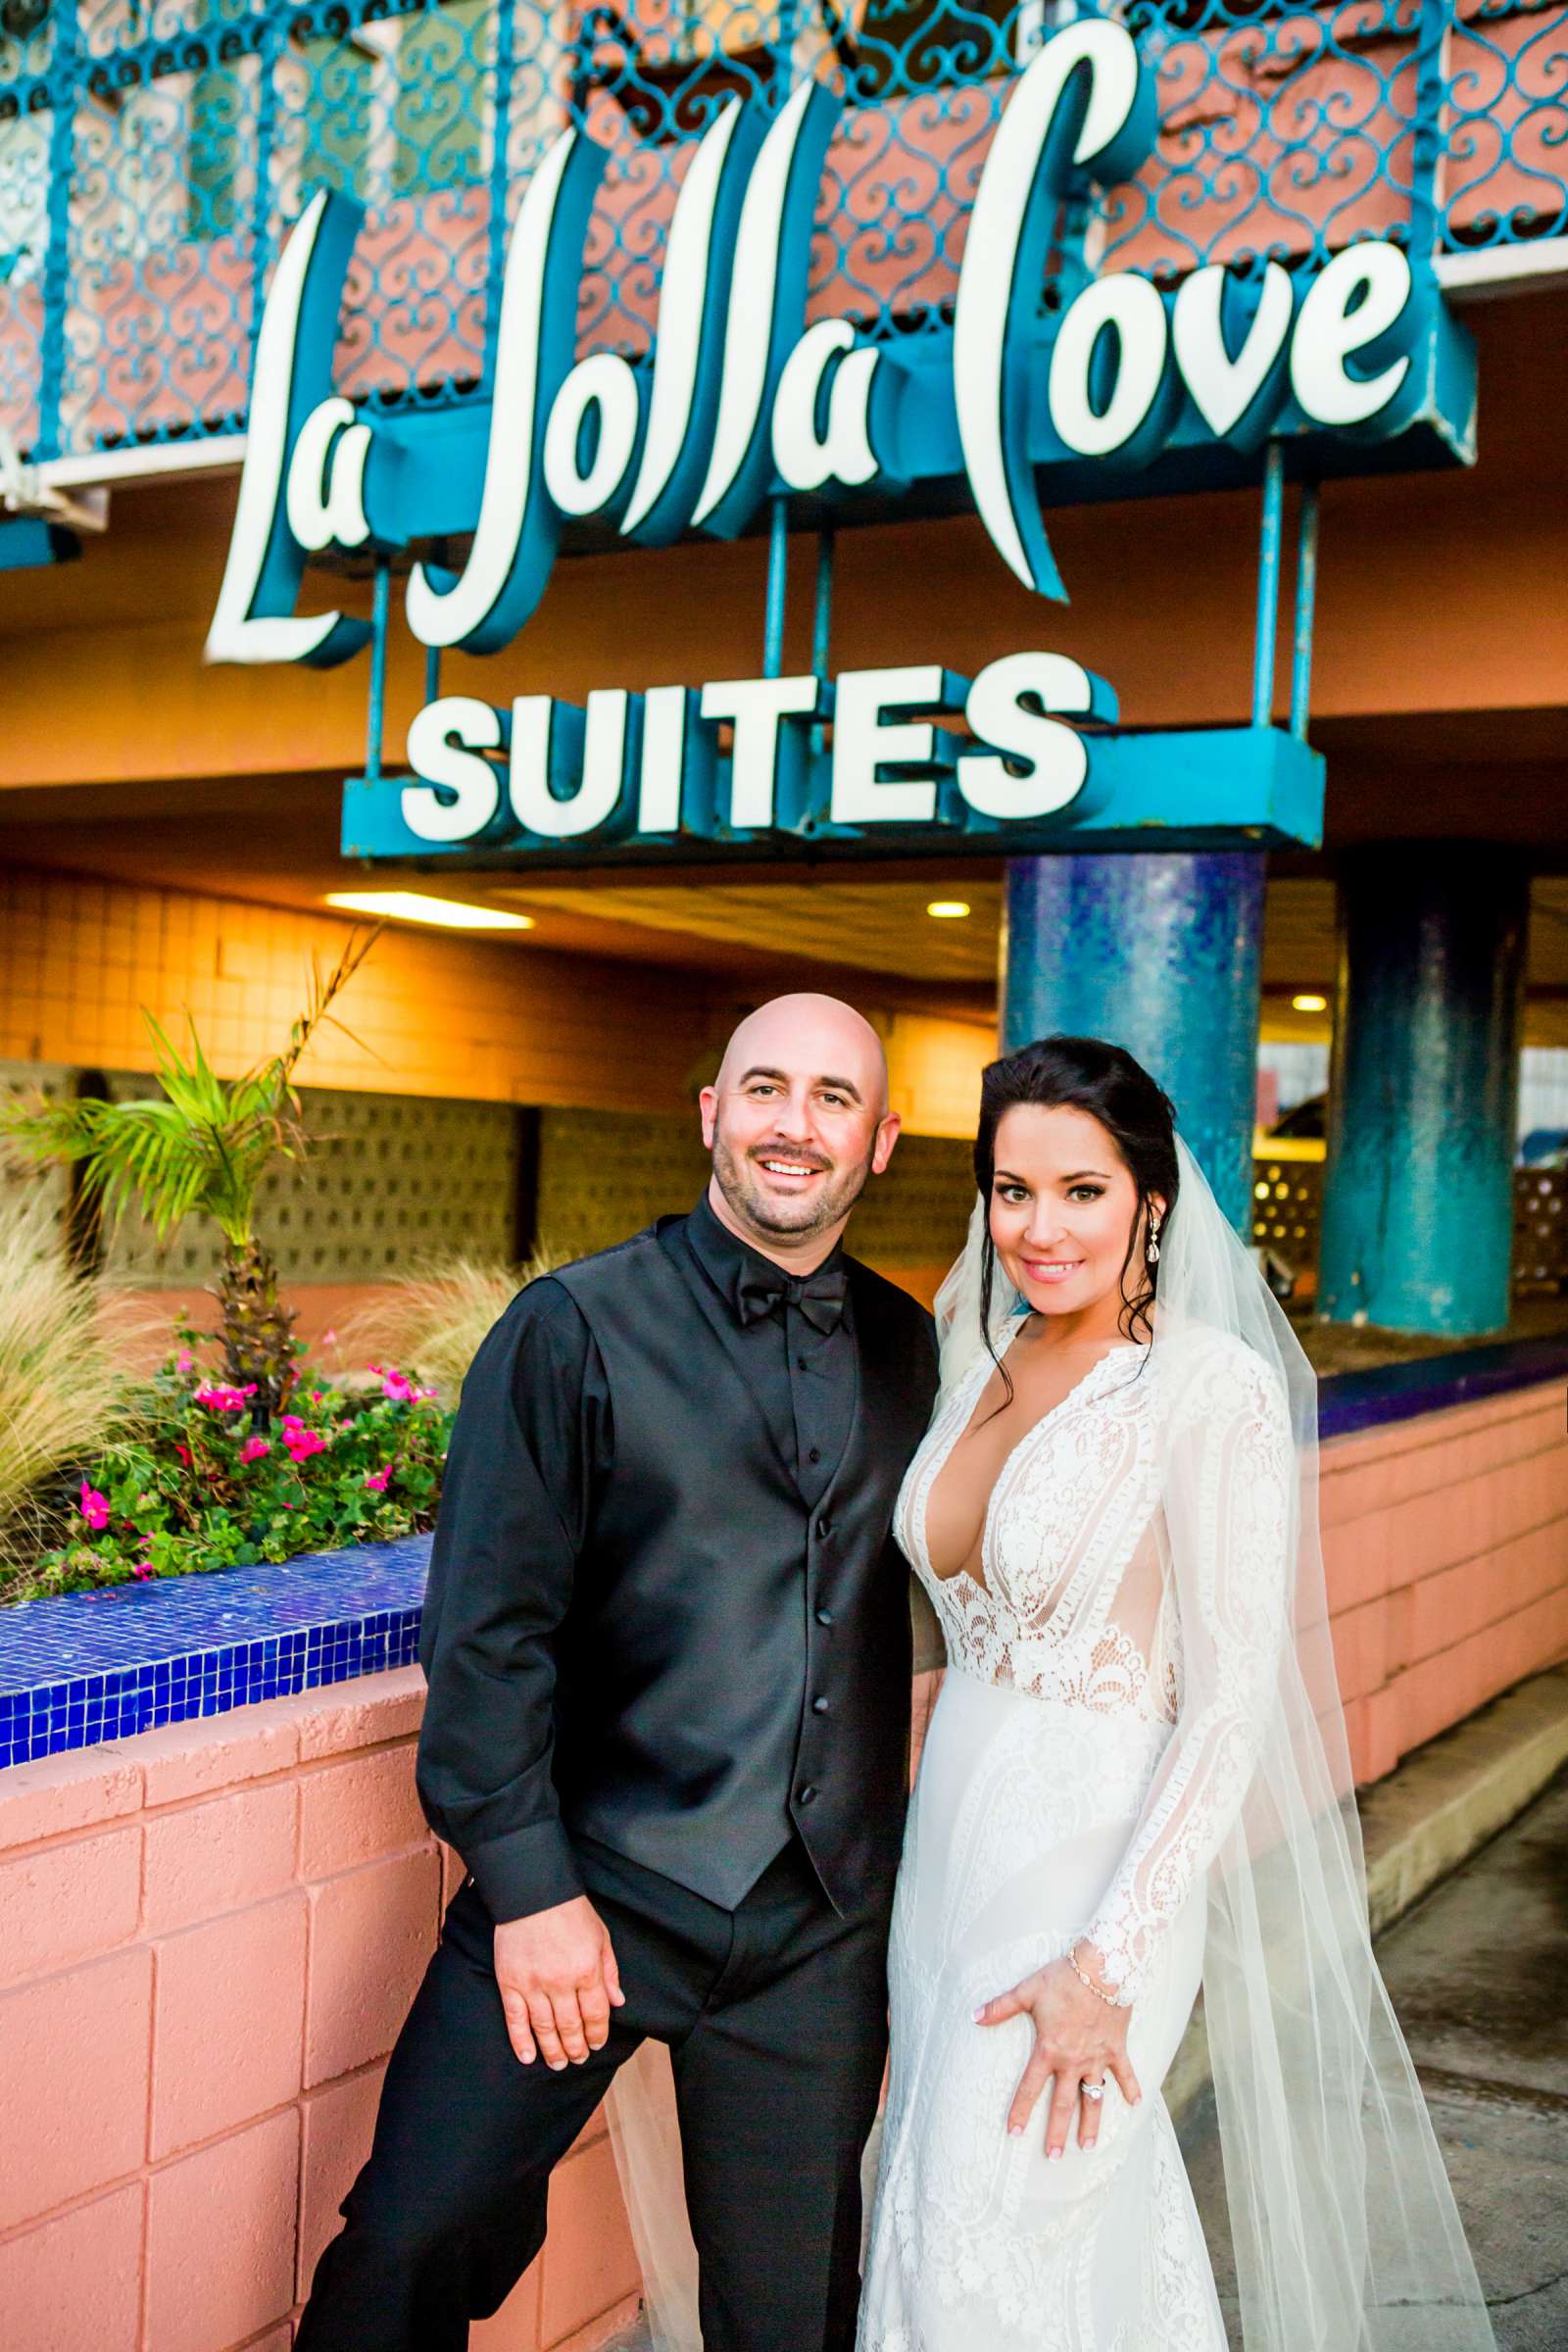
[948, 910]
[1310, 1003]
[414, 906]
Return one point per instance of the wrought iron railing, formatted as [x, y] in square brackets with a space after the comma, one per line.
[153, 152]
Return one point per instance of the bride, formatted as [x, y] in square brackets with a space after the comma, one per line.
[1135, 1783]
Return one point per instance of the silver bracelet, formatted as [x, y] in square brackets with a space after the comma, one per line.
[1110, 1998]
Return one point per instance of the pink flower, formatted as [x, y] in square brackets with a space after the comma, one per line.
[329, 1339]
[95, 1507]
[219, 1398]
[398, 1385]
[141, 1570]
[183, 1452]
[302, 1442]
[379, 1479]
[254, 1448]
[184, 1360]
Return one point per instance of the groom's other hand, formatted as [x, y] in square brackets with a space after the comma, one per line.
[558, 1983]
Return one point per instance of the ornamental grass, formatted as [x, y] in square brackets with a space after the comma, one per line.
[58, 1386]
[437, 1316]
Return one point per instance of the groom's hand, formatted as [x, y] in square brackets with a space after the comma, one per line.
[558, 1983]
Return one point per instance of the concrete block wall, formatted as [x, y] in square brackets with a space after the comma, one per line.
[602, 1176]
[209, 1938]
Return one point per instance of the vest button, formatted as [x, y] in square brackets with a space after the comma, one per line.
[815, 1454]
[820, 1706]
[807, 1794]
[824, 1528]
[824, 1616]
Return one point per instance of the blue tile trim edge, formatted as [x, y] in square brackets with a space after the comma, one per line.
[1355, 1401]
[97, 1666]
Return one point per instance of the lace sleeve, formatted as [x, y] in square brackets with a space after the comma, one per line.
[1228, 1480]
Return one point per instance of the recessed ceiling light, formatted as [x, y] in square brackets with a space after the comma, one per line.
[1311, 1004]
[948, 910]
[413, 906]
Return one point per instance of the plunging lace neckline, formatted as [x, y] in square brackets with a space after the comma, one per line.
[966, 1396]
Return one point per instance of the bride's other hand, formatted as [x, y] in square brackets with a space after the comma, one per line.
[1078, 2038]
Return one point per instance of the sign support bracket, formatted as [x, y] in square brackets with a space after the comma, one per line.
[822, 621]
[380, 614]
[1305, 609]
[778, 566]
[1270, 552]
[1268, 585]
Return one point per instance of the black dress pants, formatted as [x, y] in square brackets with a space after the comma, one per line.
[775, 2014]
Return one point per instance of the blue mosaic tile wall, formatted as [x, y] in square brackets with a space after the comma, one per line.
[98, 1666]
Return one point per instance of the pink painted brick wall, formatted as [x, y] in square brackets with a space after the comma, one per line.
[1445, 1542]
[209, 1935]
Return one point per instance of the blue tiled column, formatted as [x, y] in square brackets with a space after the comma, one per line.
[1161, 952]
[1418, 1189]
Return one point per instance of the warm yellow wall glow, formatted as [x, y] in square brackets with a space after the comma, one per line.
[434, 1013]
[934, 1071]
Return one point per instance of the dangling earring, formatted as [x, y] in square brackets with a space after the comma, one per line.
[1152, 1252]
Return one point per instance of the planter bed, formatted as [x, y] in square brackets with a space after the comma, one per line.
[97, 1666]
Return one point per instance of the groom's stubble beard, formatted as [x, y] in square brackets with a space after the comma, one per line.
[796, 1220]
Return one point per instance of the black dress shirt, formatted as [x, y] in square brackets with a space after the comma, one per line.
[802, 1376]
[614, 1629]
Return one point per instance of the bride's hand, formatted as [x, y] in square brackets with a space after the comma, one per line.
[1078, 2038]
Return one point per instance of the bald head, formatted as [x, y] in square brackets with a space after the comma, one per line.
[807, 1032]
[797, 1120]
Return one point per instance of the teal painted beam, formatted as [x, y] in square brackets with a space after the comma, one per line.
[1418, 1188]
[1162, 955]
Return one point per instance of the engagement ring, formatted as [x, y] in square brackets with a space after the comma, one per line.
[1093, 2091]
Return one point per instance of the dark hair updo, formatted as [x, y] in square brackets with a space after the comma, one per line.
[1085, 1073]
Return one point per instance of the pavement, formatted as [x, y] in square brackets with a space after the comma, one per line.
[1479, 1976]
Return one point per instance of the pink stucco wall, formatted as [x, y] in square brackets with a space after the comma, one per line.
[209, 1935]
[1446, 1542]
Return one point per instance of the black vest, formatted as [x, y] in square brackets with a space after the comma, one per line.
[714, 1610]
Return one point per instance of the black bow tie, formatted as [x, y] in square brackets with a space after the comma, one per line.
[819, 1297]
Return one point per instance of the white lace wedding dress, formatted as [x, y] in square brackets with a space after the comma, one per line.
[1139, 1739]
[1064, 1790]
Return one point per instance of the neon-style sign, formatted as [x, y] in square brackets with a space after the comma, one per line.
[739, 401]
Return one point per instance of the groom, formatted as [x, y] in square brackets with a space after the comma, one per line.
[668, 1644]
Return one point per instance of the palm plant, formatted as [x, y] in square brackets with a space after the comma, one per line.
[203, 1149]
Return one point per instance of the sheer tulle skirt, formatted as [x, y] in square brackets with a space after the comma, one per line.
[1022, 1813]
